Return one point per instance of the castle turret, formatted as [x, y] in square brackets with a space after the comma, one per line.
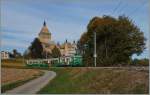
[44, 35]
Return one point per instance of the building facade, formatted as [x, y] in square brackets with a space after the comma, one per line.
[5, 55]
[67, 49]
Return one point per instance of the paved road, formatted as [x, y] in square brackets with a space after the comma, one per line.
[35, 85]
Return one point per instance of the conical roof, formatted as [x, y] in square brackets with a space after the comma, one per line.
[44, 30]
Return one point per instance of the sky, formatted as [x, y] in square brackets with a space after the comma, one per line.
[22, 20]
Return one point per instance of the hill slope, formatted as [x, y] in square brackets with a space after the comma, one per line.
[98, 80]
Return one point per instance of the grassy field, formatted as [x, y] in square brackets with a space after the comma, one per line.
[98, 80]
[13, 63]
[11, 77]
[90, 80]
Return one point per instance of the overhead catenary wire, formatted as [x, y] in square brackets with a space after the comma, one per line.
[122, 8]
[138, 8]
[116, 8]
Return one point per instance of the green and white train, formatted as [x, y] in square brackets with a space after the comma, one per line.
[73, 61]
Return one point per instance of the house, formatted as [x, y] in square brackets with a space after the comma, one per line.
[68, 49]
[5, 55]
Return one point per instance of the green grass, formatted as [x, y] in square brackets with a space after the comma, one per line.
[83, 80]
[12, 85]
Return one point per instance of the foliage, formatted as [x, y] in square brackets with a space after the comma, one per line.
[35, 50]
[141, 62]
[15, 54]
[117, 40]
[56, 52]
[47, 54]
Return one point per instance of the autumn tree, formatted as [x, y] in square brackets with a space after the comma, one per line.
[56, 52]
[117, 40]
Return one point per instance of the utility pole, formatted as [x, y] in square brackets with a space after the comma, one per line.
[95, 55]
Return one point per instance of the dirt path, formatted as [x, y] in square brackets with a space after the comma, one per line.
[35, 85]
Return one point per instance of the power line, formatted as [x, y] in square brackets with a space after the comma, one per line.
[138, 8]
[118, 5]
[132, 12]
[122, 8]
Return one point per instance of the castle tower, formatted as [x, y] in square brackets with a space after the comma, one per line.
[44, 35]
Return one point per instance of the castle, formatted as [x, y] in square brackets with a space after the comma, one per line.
[66, 49]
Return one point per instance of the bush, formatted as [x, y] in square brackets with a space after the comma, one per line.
[140, 62]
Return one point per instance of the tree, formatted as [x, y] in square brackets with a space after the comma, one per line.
[47, 54]
[140, 62]
[117, 40]
[16, 54]
[36, 49]
[56, 52]
[27, 54]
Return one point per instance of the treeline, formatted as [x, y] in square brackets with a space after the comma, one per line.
[15, 54]
[140, 62]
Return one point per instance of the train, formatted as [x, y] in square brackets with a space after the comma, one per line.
[66, 61]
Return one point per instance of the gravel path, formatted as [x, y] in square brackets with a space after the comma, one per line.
[35, 85]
